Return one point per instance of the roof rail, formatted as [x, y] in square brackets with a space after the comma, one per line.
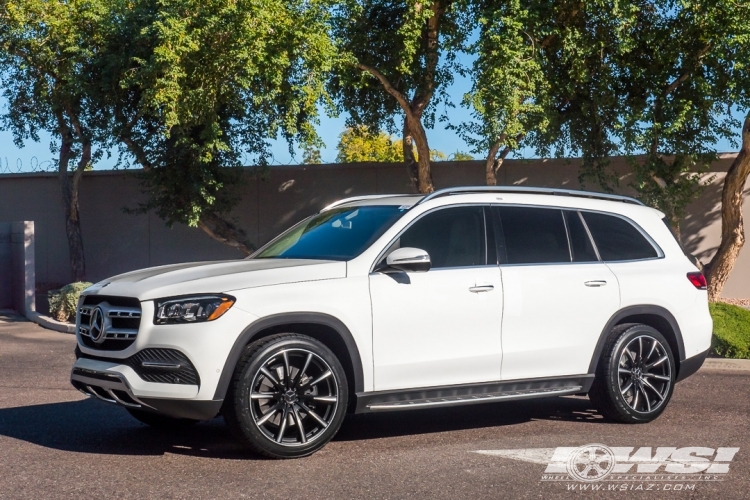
[528, 190]
[361, 198]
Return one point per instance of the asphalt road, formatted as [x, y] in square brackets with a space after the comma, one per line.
[54, 443]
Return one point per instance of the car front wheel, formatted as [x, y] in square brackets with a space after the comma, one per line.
[635, 377]
[288, 396]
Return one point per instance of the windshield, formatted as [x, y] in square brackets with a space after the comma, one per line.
[336, 234]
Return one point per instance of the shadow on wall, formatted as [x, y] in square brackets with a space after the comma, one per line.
[701, 228]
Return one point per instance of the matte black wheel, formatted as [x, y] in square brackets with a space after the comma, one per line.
[288, 396]
[635, 377]
[160, 421]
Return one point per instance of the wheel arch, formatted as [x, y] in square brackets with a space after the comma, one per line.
[323, 327]
[656, 317]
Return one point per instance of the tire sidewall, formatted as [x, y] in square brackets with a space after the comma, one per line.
[612, 377]
[241, 402]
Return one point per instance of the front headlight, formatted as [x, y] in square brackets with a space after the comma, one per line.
[192, 309]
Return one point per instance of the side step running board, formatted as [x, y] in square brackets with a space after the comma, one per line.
[459, 400]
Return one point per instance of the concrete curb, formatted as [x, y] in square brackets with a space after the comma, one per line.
[741, 365]
[49, 323]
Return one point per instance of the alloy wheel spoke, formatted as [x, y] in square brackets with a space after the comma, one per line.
[635, 398]
[627, 387]
[313, 415]
[287, 372]
[659, 377]
[640, 349]
[657, 362]
[653, 348]
[321, 378]
[270, 413]
[646, 383]
[632, 356]
[298, 419]
[284, 417]
[270, 377]
[263, 395]
[645, 396]
[624, 370]
[301, 373]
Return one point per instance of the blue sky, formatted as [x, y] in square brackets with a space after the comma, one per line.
[35, 155]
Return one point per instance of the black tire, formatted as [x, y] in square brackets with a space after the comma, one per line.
[159, 421]
[634, 386]
[304, 405]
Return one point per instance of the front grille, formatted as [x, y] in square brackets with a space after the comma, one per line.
[114, 328]
[163, 366]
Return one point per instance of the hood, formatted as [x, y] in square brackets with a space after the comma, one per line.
[215, 277]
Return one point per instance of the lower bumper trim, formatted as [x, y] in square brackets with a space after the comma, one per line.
[691, 365]
[181, 408]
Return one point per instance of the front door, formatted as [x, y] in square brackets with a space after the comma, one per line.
[440, 327]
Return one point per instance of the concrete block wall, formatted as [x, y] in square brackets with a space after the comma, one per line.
[17, 273]
[117, 242]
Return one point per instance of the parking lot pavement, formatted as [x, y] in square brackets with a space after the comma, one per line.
[54, 443]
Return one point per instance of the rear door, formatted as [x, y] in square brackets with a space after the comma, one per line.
[558, 295]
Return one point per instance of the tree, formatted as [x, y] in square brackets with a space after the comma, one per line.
[46, 49]
[359, 145]
[398, 57]
[195, 88]
[509, 89]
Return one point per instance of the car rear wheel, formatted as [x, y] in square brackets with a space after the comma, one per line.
[288, 396]
[635, 377]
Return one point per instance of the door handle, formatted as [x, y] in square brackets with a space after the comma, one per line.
[481, 288]
[595, 283]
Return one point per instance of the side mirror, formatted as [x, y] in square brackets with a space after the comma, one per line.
[409, 260]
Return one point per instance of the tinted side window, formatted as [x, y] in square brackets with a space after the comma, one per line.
[454, 237]
[534, 235]
[580, 243]
[618, 239]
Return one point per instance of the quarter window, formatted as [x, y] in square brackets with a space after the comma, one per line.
[534, 235]
[454, 237]
[581, 248]
[617, 239]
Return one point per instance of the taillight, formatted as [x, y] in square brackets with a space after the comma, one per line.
[698, 280]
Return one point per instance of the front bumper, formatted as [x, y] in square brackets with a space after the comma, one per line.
[113, 387]
[110, 375]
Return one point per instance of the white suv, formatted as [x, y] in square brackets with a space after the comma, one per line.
[394, 302]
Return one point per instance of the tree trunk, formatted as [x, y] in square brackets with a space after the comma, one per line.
[212, 224]
[225, 232]
[490, 165]
[412, 170]
[732, 230]
[424, 172]
[69, 191]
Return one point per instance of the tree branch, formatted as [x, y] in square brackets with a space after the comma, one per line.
[401, 98]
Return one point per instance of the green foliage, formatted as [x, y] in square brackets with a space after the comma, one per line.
[199, 88]
[63, 302]
[460, 156]
[646, 77]
[311, 155]
[360, 145]
[509, 91]
[731, 337]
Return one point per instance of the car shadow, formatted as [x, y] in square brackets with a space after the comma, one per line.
[457, 418]
[89, 426]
